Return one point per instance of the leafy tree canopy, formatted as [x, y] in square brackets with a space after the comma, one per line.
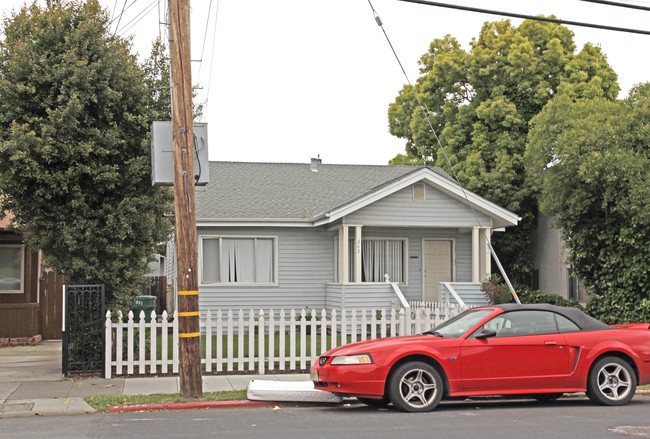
[75, 112]
[589, 158]
[480, 103]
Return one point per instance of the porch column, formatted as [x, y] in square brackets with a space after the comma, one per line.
[357, 254]
[344, 254]
[476, 255]
[484, 252]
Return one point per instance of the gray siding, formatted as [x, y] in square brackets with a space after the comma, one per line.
[470, 293]
[399, 209]
[305, 265]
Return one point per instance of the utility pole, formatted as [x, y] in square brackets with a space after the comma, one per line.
[189, 330]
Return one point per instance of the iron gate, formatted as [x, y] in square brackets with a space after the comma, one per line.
[83, 329]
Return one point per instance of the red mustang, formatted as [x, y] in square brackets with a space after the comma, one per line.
[536, 350]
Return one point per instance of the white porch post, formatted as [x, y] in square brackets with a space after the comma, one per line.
[344, 254]
[357, 254]
[486, 266]
[476, 255]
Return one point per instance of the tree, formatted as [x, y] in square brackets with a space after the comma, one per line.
[480, 103]
[590, 160]
[74, 122]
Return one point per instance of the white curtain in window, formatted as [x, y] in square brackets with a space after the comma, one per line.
[210, 269]
[395, 260]
[264, 260]
[245, 260]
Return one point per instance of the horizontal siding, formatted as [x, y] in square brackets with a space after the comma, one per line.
[438, 210]
[469, 292]
[305, 266]
[306, 270]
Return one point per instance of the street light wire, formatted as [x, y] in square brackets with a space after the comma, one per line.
[527, 17]
[619, 4]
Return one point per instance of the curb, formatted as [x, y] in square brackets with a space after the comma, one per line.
[191, 406]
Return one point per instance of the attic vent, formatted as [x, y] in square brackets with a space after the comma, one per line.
[418, 192]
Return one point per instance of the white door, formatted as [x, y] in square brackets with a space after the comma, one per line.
[438, 266]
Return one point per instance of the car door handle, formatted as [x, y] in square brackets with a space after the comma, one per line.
[550, 342]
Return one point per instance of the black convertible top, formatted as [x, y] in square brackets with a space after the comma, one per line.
[584, 322]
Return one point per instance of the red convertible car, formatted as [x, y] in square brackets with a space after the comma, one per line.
[540, 351]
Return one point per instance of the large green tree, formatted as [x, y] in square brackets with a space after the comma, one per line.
[589, 158]
[75, 112]
[480, 102]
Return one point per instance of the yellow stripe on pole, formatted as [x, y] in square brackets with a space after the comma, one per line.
[188, 314]
[188, 293]
[189, 334]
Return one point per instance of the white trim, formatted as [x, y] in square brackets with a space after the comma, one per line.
[22, 269]
[500, 216]
[238, 284]
[453, 262]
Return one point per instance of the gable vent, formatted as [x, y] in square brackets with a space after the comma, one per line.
[418, 192]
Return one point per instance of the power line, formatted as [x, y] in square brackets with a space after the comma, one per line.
[205, 36]
[119, 18]
[214, 37]
[425, 113]
[527, 17]
[135, 20]
[622, 5]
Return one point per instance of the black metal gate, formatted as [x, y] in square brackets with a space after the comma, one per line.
[83, 329]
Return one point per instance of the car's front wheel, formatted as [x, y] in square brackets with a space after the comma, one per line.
[611, 381]
[415, 387]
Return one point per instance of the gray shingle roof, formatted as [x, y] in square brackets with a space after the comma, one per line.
[288, 191]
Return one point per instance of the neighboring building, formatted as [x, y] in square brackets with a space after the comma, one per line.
[29, 310]
[552, 274]
[284, 235]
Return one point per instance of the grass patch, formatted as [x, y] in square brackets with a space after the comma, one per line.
[102, 403]
[644, 387]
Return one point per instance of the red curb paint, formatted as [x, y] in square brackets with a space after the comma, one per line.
[190, 406]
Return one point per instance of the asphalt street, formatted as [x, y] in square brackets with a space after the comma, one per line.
[571, 417]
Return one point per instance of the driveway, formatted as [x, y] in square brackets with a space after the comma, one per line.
[31, 363]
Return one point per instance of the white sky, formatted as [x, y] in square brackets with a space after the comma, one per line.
[293, 79]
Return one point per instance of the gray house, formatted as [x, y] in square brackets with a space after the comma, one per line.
[285, 235]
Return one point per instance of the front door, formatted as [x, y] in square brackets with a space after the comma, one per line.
[438, 266]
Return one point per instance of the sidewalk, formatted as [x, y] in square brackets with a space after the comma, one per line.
[30, 398]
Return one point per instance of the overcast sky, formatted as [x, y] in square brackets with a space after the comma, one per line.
[292, 79]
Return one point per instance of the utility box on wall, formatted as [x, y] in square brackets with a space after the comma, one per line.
[162, 153]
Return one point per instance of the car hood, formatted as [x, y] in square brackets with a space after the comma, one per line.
[367, 346]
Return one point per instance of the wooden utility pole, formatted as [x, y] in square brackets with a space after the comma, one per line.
[189, 330]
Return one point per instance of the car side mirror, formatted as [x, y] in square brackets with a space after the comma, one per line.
[486, 333]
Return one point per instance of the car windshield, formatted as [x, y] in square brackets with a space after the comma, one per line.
[457, 326]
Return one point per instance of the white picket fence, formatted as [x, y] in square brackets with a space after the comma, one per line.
[234, 332]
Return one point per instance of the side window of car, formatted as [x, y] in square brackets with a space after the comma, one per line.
[528, 323]
[566, 325]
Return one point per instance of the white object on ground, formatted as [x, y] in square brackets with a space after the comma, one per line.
[294, 391]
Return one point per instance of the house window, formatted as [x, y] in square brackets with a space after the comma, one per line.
[238, 260]
[11, 268]
[378, 258]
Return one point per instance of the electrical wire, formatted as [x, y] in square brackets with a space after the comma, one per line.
[622, 5]
[142, 14]
[205, 37]
[440, 147]
[214, 37]
[527, 17]
[119, 17]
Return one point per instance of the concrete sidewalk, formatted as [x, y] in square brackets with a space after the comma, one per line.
[29, 398]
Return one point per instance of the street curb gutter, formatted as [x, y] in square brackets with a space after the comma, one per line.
[220, 405]
[191, 406]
